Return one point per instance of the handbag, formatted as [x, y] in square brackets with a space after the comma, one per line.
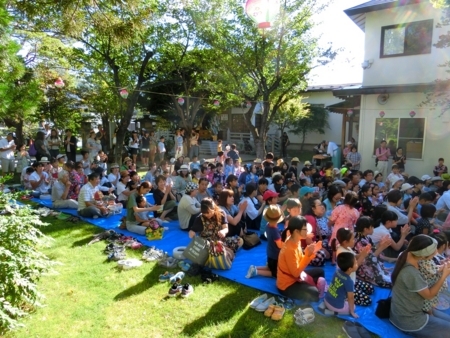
[220, 256]
[251, 239]
[197, 251]
[384, 307]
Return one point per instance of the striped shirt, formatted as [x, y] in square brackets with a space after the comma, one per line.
[86, 194]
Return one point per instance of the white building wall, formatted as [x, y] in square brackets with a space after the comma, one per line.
[403, 69]
[436, 136]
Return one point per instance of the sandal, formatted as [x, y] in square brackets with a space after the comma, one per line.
[270, 310]
[278, 313]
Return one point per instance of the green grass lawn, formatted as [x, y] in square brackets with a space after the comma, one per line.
[90, 297]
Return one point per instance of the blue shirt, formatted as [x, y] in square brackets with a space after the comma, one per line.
[273, 235]
[195, 165]
[340, 285]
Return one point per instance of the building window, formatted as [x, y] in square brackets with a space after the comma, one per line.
[407, 133]
[412, 38]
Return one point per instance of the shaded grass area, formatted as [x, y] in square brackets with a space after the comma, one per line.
[90, 297]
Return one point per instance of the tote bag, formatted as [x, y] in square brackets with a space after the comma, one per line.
[197, 251]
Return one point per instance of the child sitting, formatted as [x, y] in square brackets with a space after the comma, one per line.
[273, 215]
[271, 198]
[195, 164]
[217, 189]
[26, 179]
[340, 295]
[346, 239]
[424, 224]
[142, 218]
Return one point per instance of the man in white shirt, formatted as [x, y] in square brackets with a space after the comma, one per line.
[39, 180]
[161, 148]
[444, 201]
[60, 191]
[188, 207]
[87, 206]
[7, 147]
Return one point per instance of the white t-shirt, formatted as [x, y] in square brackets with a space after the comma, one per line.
[57, 191]
[379, 233]
[43, 187]
[341, 249]
[7, 154]
[161, 147]
[120, 189]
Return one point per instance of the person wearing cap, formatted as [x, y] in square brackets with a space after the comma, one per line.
[188, 207]
[181, 180]
[436, 183]
[305, 194]
[347, 149]
[7, 148]
[410, 291]
[272, 216]
[60, 192]
[114, 175]
[61, 160]
[406, 189]
[39, 179]
[426, 182]
[270, 198]
[122, 191]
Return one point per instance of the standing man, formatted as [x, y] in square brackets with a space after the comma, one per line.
[7, 147]
[70, 144]
[193, 151]
[161, 148]
[382, 154]
[284, 144]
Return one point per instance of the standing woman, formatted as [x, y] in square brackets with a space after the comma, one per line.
[292, 279]
[193, 151]
[411, 290]
[39, 145]
[399, 159]
[134, 145]
[54, 142]
[145, 148]
[153, 144]
[354, 157]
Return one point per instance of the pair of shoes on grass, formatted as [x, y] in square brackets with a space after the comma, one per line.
[181, 290]
[304, 316]
[269, 306]
[153, 254]
[168, 262]
[171, 278]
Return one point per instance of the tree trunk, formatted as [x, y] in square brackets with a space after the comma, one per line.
[260, 145]
[18, 126]
[123, 126]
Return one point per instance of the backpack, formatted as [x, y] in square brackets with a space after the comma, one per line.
[32, 150]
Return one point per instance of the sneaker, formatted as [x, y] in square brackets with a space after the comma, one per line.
[258, 300]
[322, 286]
[183, 265]
[178, 277]
[165, 277]
[252, 272]
[170, 263]
[187, 290]
[264, 305]
[117, 256]
[175, 290]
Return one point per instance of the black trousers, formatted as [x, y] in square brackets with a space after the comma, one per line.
[303, 290]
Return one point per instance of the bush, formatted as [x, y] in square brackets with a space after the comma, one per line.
[21, 262]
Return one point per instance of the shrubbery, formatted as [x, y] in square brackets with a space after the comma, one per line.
[21, 262]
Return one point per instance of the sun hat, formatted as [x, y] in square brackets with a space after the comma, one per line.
[295, 159]
[307, 163]
[268, 194]
[425, 177]
[126, 159]
[114, 165]
[191, 186]
[396, 179]
[348, 143]
[184, 167]
[434, 179]
[258, 160]
[406, 186]
[44, 160]
[306, 190]
[273, 213]
[60, 156]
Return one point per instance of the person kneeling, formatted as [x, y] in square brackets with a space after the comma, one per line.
[340, 296]
[60, 190]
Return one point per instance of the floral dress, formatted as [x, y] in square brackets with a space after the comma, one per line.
[211, 232]
[429, 270]
[371, 270]
[76, 183]
[343, 216]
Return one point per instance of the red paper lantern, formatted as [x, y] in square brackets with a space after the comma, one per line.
[123, 93]
[349, 113]
[180, 101]
[216, 103]
[59, 83]
[412, 113]
[382, 114]
[263, 12]
[248, 104]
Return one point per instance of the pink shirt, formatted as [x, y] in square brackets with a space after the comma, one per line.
[343, 216]
[381, 151]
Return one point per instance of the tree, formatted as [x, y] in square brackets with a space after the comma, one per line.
[269, 66]
[291, 112]
[313, 119]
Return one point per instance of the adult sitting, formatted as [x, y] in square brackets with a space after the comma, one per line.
[253, 212]
[316, 217]
[74, 179]
[188, 207]
[114, 176]
[87, 204]
[39, 179]
[122, 191]
[202, 189]
[60, 192]
[212, 225]
[411, 290]
[133, 208]
[334, 197]
[232, 212]
[394, 200]
[292, 279]
[181, 180]
[163, 196]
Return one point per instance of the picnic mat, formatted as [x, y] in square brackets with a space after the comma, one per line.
[175, 237]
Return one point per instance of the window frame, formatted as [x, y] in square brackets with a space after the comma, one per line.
[384, 28]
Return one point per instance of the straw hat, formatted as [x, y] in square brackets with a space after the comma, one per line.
[273, 213]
